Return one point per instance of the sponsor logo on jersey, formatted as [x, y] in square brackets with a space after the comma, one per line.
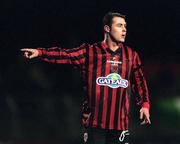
[112, 80]
[114, 62]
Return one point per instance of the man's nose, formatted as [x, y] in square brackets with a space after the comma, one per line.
[124, 29]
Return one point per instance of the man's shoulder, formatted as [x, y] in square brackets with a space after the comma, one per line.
[129, 48]
[92, 45]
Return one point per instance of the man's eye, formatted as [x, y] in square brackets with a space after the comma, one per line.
[119, 25]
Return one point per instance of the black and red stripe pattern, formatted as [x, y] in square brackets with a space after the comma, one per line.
[108, 107]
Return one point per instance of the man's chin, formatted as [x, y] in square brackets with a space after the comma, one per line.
[122, 40]
[119, 41]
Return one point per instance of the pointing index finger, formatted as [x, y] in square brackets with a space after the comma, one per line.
[25, 49]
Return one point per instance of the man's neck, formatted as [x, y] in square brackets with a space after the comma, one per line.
[112, 45]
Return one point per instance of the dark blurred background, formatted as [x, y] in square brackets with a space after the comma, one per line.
[40, 103]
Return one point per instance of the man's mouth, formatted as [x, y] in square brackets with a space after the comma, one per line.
[123, 35]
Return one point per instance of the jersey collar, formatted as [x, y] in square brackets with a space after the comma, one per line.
[106, 48]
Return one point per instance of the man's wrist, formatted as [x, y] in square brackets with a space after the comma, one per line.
[39, 52]
[146, 105]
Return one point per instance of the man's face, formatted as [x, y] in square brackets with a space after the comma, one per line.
[118, 29]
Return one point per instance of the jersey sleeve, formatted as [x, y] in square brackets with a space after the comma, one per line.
[140, 84]
[75, 56]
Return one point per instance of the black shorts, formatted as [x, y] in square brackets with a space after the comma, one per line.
[101, 136]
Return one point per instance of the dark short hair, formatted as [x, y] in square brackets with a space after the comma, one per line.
[107, 20]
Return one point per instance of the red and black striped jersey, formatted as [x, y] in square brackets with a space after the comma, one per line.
[108, 78]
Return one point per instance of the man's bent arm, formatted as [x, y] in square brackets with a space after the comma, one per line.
[140, 83]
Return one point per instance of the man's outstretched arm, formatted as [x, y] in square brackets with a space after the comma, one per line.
[75, 56]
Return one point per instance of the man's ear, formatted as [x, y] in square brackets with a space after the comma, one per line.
[106, 28]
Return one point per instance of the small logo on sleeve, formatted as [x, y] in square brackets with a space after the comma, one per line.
[112, 80]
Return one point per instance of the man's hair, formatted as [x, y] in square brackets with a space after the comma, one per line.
[107, 20]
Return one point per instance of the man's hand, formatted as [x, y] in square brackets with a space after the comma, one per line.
[85, 119]
[30, 53]
[145, 116]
